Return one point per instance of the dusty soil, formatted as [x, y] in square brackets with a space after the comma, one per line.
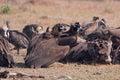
[70, 71]
[49, 12]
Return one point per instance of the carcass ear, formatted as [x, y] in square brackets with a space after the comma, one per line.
[47, 30]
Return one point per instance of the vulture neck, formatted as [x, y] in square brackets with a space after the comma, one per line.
[8, 25]
[72, 32]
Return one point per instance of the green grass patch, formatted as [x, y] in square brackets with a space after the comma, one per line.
[5, 9]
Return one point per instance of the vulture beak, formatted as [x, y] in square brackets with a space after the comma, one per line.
[32, 30]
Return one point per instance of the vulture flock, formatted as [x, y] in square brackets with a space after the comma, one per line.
[87, 43]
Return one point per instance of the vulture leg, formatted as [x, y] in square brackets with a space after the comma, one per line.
[18, 51]
[11, 61]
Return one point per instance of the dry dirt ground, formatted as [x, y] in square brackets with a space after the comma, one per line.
[49, 12]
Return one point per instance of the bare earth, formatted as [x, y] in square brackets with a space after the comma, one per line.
[49, 12]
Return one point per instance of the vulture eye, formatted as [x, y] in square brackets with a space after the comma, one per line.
[62, 27]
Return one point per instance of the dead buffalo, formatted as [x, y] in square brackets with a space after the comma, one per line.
[98, 49]
[99, 44]
[115, 38]
[79, 53]
[91, 52]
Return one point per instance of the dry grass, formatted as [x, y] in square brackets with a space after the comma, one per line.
[62, 11]
[49, 12]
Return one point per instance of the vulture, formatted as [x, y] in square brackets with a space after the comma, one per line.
[18, 39]
[88, 28]
[32, 30]
[6, 59]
